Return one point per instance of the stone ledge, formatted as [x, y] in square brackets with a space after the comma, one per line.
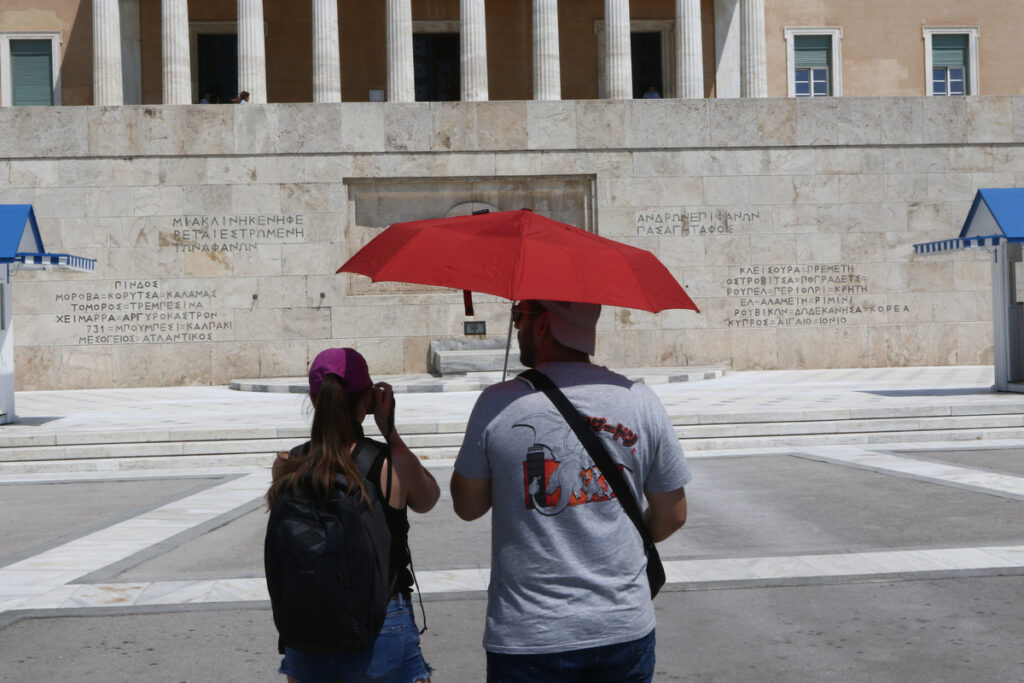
[473, 381]
[443, 127]
[462, 356]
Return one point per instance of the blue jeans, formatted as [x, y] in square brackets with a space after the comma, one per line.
[621, 662]
[394, 656]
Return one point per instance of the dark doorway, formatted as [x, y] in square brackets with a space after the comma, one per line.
[646, 52]
[436, 63]
[217, 66]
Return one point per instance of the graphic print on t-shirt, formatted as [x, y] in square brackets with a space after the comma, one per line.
[558, 472]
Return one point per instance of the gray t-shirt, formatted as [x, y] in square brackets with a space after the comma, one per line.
[567, 564]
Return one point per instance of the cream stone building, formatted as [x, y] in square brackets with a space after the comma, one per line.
[796, 153]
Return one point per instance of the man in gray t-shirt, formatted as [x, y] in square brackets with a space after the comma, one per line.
[568, 590]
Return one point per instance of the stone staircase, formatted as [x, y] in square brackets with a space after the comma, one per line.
[86, 451]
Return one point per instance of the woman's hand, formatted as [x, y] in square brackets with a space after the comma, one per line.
[383, 406]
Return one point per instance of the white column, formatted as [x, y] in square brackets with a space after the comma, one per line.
[689, 50]
[547, 68]
[473, 50]
[252, 54]
[131, 53]
[177, 71]
[106, 53]
[326, 52]
[401, 82]
[618, 59]
[753, 62]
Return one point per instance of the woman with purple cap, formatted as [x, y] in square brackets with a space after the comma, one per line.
[342, 395]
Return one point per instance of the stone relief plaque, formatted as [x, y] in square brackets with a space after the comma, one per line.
[232, 233]
[140, 312]
[700, 221]
[800, 295]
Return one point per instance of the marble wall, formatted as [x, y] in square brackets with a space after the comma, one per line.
[218, 229]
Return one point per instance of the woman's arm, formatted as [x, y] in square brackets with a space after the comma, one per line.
[416, 484]
[417, 487]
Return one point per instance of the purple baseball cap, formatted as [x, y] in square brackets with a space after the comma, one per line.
[348, 365]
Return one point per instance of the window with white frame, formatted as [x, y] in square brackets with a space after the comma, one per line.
[951, 60]
[29, 68]
[814, 60]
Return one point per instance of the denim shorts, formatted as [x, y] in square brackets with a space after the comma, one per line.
[631, 661]
[395, 656]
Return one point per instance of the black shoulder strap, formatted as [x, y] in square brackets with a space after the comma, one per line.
[597, 452]
[369, 454]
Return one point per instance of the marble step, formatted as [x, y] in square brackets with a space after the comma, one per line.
[430, 444]
[896, 425]
[424, 433]
[443, 455]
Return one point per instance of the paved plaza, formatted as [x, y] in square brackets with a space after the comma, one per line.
[845, 525]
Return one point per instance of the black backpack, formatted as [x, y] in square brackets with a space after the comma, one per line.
[327, 562]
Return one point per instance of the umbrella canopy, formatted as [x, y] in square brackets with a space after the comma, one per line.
[519, 255]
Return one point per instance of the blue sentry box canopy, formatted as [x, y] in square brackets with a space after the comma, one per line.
[20, 242]
[996, 215]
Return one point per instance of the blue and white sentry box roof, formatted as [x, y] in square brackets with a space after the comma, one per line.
[25, 246]
[997, 215]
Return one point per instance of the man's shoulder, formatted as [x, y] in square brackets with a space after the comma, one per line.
[583, 373]
[496, 397]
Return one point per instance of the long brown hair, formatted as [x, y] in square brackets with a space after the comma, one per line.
[331, 438]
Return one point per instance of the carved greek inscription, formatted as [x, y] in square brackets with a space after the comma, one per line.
[694, 222]
[220, 234]
[142, 312]
[800, 295]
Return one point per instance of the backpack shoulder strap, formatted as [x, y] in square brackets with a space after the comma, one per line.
[371, 457]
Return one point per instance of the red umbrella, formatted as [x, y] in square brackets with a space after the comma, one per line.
[519, 255]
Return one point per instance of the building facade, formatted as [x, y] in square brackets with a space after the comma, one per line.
[175, 51]
[797, 153]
